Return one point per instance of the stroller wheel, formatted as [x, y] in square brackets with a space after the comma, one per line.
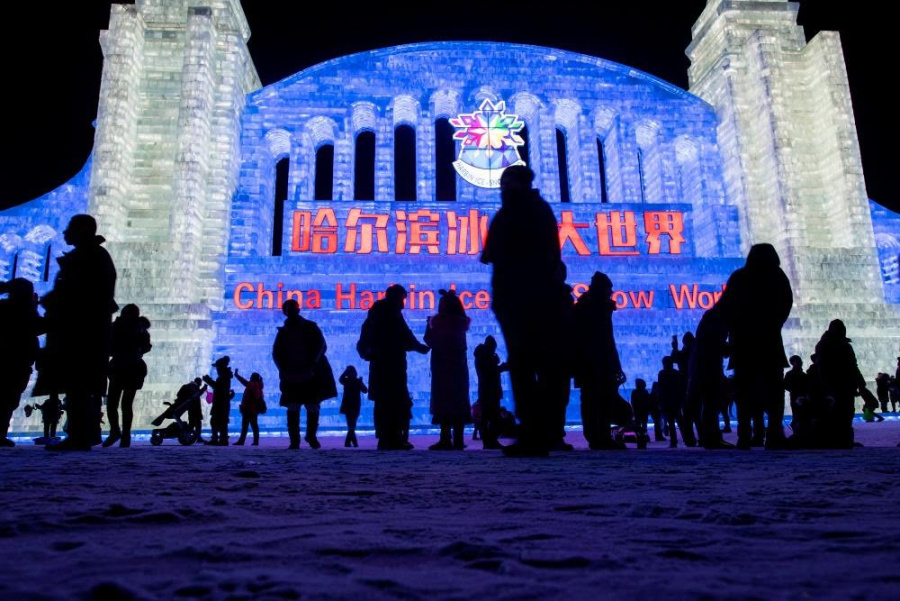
[156, 439]
[188, 436]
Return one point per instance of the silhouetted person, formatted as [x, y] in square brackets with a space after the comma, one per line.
[490, 391]
[706, 381]
[882, 390]
[194, 391]
[252, 404]
[640, 404]
[445, 333]
[728, 403]
[841, 381]
[598, 369]
[692, 403]
[51, 412]
[127, 370]
[384, 340]
[220, 413]
[528, 286]
[78, 315]
[20, 326]
[796, 383]
[756, 303]
[671, 400]
[351, 402]
[659, 423]
[706, 377]
[305, 375]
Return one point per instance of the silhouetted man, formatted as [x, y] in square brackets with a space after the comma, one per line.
[78, 315]
[305, 375]
[756, 303]
[383, 342]
[529, 302]
[599, 372]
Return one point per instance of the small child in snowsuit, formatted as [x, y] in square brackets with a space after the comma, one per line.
[252, 404]
[51, 412]
[351, 404]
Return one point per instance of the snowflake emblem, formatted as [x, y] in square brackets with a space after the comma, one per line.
[489, 143]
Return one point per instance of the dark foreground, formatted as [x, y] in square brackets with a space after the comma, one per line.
[265, 523]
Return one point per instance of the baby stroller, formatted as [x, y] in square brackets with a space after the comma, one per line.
[178, 429]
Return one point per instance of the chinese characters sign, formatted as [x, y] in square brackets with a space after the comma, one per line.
[584, 230]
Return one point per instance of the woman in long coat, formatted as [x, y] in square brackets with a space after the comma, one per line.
[446, 335]
[127, 370]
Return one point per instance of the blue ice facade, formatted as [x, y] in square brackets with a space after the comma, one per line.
[31, 235]
[643, 173]
[644, 177]
[886, 224]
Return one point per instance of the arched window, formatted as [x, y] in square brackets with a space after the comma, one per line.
[364, 166]
[525, 149]
[404, 163]
[601, 156]
[563, 162]
[282, 168]
[325, 172]
[444, 155]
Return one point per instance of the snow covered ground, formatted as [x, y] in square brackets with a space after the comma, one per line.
[175, 522]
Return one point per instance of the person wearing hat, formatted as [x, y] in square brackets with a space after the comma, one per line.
[78, 314]
[221, 403]
[305, 375]
[20, 326]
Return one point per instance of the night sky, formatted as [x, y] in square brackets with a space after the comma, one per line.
[52, 77]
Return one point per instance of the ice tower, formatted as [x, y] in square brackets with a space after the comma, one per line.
[792, 163]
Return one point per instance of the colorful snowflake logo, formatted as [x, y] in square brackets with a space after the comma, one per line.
[490, 140]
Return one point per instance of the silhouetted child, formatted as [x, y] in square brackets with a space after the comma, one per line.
[253, 403]
[490, 391]
[640, 404]
[671, 399]
[351, 402]
[796, 382]
[51, 412]
[870, 404]
[221, 402]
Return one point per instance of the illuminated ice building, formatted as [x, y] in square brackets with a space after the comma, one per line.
[221, 198]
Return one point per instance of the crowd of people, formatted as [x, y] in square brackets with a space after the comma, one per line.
[552, 339]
